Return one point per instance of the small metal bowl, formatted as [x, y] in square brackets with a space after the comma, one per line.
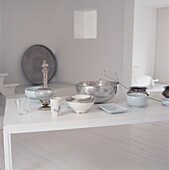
[102, 90]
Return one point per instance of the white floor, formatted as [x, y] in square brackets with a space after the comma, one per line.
[128, 147]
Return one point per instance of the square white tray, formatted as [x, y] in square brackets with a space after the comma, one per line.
[112, 108]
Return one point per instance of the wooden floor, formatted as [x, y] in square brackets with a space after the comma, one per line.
[127, 147]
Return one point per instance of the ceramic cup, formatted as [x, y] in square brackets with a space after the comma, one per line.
[56, 104]
[136, 99]
[22, 105]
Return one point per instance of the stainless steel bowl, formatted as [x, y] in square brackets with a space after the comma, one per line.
[102, 90]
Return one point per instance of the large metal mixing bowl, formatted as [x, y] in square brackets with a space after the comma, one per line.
[102, 90]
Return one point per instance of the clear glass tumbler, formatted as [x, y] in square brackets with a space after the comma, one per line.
[23, 105]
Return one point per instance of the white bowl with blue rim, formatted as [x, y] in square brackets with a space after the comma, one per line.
[30, 92]
[136, 99]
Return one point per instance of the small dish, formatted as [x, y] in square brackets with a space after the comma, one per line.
[165, 101]
[112, 108]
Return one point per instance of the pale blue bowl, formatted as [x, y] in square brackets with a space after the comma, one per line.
[136, 99]
[30, 92]
[165, 101]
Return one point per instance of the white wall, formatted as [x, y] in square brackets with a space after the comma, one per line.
[162, 50]
[0, 36]
[144, 37]
[51, 23]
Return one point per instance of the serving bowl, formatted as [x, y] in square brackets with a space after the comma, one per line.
[102, 90]
[80, 103]
[136, 99]
[30, 92]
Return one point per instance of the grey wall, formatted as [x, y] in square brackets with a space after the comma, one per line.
[26, 23]
[51, 23]
[86, 59]
[162, 46]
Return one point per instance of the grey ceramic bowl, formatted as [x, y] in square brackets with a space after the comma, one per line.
[102, 90]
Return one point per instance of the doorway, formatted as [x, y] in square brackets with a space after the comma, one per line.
[144, 59]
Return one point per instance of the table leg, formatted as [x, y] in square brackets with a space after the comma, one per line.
[7, 150]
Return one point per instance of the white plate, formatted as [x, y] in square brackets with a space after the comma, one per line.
[112, 108]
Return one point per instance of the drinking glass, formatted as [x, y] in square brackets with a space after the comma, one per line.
[23, 105]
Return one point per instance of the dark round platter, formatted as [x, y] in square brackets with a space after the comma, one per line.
[32, 60]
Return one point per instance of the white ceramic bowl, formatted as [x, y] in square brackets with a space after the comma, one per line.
[30, 92]
[165, 101]
[136, 99]
[80, 103]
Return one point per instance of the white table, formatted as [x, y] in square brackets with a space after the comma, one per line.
[37, 121]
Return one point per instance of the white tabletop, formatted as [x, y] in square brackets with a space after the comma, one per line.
[43, 121]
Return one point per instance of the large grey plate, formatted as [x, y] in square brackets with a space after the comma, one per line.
[32, 60]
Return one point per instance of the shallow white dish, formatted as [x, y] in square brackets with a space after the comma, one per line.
[165, 101]
[112, 108]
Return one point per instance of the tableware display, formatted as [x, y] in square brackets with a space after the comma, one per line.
[80, 103]
[137, 89]
[136, 99]
[45, 93]
[102, 90]
[30, 92]
[56, 105]
[112, 108]
[165, 101]
[165, 93]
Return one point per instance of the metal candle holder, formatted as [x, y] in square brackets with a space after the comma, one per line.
[45, 93]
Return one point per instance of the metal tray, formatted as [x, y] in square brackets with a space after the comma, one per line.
[32, 60]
